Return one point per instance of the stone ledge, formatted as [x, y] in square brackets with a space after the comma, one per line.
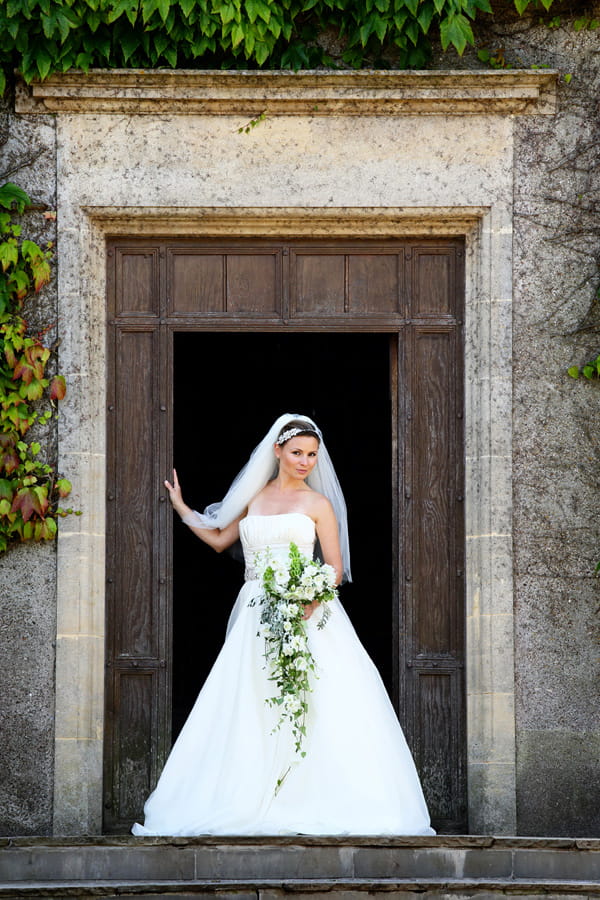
[313, 93]
[288, 222]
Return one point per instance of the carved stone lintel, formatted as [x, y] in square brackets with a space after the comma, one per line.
[314, 93]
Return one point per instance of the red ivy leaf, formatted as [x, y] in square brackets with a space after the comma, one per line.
[10, 462]
[23, 371]
[41, 492]
[58, 388]
[28, 502]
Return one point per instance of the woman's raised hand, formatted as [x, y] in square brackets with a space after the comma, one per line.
[175, 494]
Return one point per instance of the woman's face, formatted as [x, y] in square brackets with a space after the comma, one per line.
[298, 456]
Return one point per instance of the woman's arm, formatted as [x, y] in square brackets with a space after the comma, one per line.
[329, 538]
[217, 538]
[327, 532]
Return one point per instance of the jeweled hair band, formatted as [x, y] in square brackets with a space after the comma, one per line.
[292, 432]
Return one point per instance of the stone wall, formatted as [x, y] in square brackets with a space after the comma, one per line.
[28, 573]
[556, 472]
[556, 324]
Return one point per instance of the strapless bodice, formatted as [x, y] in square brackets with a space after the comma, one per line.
[275, 533]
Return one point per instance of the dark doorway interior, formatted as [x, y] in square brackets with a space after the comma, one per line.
[228, 389]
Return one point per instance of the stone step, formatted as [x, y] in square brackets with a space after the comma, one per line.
[314, 867]
[324, 889]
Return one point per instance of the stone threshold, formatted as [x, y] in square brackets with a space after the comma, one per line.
[267, 888]
[308, 93]
[301, 864]
[439, 841]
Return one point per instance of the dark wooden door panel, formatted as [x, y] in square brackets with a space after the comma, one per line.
[434, 280]
[433, 640]
[136, 282]
[137, 675]
[374, 284]
[435, 693]
[434, 495]
[318, 284]
[201, 282]
[196, 283]
[411, 288]
[328, 283]
[136, 626]
[253, 284]
[136, 698]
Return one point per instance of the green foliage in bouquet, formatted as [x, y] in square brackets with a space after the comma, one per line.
[287, 590]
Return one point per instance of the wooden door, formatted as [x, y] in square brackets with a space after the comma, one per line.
[411, 289]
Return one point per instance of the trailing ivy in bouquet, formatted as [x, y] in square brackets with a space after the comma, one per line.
[288, 588]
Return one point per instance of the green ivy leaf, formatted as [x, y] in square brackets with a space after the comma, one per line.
[252, 10]
[365, 32]
[227, 13]
[129, 43]
[9, 254]
[128, 8]
[43, 62]
[455, 30]
[412, 30]
[425, 16]
[170, 54]
[64, 487]
[412, 6]
[237, 34]
[13, 197]
[380, 27]
[264, 11]
[6, 489]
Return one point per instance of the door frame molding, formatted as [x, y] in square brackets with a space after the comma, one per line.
[491, 754]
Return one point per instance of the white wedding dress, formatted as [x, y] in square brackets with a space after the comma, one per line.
[358, 776]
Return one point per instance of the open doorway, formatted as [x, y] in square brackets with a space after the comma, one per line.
[228, 389]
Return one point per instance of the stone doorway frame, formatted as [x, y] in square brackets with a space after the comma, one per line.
[488, 492]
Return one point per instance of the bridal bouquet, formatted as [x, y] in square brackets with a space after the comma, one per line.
[288, 587]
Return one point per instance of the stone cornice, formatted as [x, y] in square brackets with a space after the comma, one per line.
[287, 222]
[314, 93]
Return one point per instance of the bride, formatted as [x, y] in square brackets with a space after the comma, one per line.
[232, 771]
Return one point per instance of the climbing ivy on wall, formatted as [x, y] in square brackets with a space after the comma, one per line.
[38, 37]
[30, 490]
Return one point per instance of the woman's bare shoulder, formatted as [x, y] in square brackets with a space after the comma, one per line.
[319, 504]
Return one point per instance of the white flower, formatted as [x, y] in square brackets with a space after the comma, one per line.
[287, 625]
[288, 610]
[292, 704]
[298, 642]
[329, 573]
[281, 576]
[288, 649]
[300, 664]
